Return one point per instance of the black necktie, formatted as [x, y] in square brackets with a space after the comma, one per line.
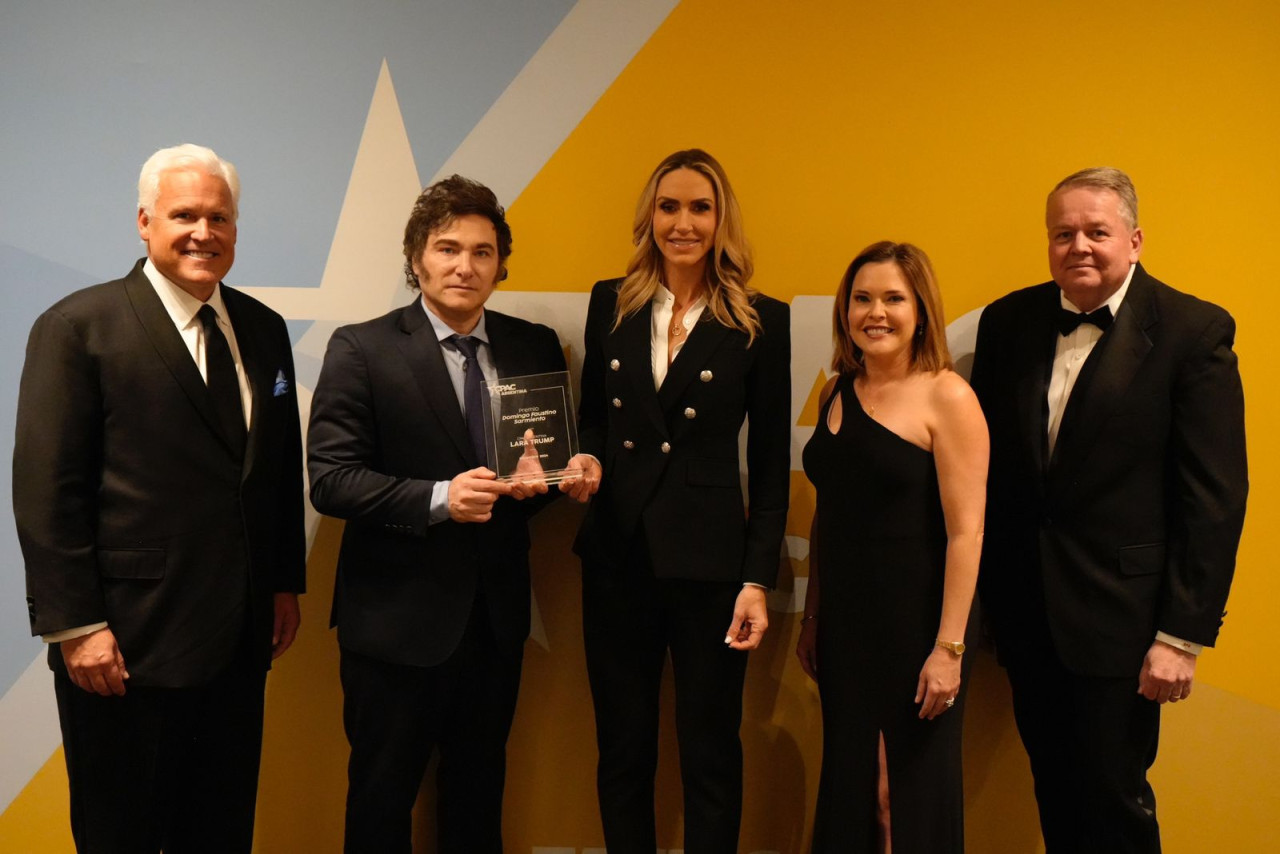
[220, 371]
[471, 385]
[1068, 320]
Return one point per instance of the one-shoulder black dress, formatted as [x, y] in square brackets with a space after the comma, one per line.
[881, 549]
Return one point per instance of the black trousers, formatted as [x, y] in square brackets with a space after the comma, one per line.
[164, 768]
[395, 715]
[630, 621]
[1091, 742]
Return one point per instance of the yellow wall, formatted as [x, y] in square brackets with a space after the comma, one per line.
[946, 124]
[841, 123]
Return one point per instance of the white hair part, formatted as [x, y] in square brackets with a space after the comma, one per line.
[185, 156]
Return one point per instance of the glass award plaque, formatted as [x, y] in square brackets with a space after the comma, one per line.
[530, 427]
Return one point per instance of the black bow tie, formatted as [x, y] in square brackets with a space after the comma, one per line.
[1068, 320]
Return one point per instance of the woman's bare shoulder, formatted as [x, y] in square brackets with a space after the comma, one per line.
[950, 397]
[828, 389]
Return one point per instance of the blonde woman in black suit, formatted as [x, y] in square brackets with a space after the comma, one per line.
[677, 354]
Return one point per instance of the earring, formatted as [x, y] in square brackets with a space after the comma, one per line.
[919, 330]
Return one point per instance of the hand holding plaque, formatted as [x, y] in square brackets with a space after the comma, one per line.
[530, 429]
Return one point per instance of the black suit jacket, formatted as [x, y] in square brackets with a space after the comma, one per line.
[130, 504]
[1132, 525]
[385, 427]
[670, 457]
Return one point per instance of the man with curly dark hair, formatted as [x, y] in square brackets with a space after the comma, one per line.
[432, 594]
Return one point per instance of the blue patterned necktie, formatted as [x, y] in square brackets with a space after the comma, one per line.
[471, 393]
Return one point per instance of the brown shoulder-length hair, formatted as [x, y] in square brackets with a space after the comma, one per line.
[728, 269]
[929, 344]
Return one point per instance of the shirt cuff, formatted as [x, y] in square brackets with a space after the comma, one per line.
[439, 511]
[72, 634]
[755, 584]
[1179, 643]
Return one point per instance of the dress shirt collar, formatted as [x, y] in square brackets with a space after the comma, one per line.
[664, 300]
[444, 331]
[180, 305]
[661, 349]
[1113, 303]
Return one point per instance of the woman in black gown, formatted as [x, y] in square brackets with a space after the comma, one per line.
[899, 461]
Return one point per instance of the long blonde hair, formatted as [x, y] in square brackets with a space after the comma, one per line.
[730, 268]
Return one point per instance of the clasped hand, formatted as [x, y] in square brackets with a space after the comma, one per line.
[582, 478]
[1167, 673]
[750, 619]
[939, 682]
[94, 663]
[473, 493]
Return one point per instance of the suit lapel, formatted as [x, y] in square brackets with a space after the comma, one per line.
[634, 337]
[1039, 340]
[168, 343]
[703, 341]
[1107, 373]
[509, 358]
[426, 363]
[257, 368]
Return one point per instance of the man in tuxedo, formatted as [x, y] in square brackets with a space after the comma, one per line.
[157, 487]
[1116, 498]
[432, 594]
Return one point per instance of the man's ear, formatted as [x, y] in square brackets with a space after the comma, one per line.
[1135, 245]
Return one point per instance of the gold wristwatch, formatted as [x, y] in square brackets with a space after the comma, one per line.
[956, 647]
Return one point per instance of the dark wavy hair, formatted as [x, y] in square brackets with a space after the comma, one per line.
[442, 203]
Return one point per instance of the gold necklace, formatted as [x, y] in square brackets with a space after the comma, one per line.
[867, 405]
[677, 319]
[677, 324]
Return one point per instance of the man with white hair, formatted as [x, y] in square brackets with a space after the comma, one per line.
[157, 488]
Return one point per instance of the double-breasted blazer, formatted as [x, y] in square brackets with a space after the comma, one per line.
[1131, 525]
[671, 455]
[132, 506]
[385, 427]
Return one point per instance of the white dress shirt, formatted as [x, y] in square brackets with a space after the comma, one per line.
[182, 308]
[1073, 349]
[664, 305]
[456, 364]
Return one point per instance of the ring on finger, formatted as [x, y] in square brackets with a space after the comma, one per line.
[951, 701]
